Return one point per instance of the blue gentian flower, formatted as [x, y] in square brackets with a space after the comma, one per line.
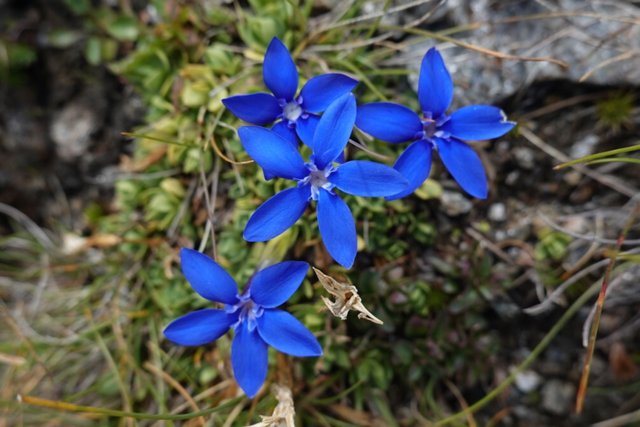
[437, 130]
[317, 180]
[295, 114]
[252, 315]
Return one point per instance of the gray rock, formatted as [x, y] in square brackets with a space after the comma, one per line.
[596, 39]
[584, 146]
[71, 130]
[558, 397]
[525, 157]
[528, 381]
[497, 212]
[455, 204]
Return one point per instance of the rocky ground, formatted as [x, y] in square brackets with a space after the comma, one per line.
[60, 145]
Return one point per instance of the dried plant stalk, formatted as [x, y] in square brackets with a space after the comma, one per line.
[346, 299]
[284, 412]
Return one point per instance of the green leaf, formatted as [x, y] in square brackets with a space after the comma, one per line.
[93, 51]
[124, 28]
[63, 38]
[78, 6]
[18, 55]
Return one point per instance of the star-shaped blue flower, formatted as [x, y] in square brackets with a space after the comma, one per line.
[252, 315]
[295, 115]
[396, 123]
[317, 181]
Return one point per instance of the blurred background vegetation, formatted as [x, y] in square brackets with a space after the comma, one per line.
[116, 151]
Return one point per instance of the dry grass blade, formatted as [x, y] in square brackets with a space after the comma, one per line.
[629, 419]
[10, 359]
[347, 299]
[470, 46]
[463, 403]
[375, 15]
[215, 147]
[71, 407]
[176, 385]
[584, 378]
[610, 181]
[622, 57]
[33, 228]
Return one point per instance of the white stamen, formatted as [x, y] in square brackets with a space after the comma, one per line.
[292, 111]
[318, 179]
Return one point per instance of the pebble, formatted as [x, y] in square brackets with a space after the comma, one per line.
[528, 381]
[525, 157]
[498, 212]
[455, 204]
[584, 146]
[71, 130]
[558, 397]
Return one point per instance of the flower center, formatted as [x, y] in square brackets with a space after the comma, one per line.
[317, 179]
[292, 111]
[249, 311]
[431, 127]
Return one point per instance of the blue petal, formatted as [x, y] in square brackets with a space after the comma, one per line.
[414, 164]
[334, 130]
[477, 122]
[306, 128]
[277, 214]
[464, 165]
[275, 284]
[389, 122]
[320, 91]
[285, 333]
[256, 108]
[272, 152]
[207, 278]
[249, 359]
[435, 87]
[287, 132]
[279, 71]
[337, 228]
[365, 178]
[199, 327]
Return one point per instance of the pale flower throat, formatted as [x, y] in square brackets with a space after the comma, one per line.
[249, 311]
[292, 111]
[317, 179]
